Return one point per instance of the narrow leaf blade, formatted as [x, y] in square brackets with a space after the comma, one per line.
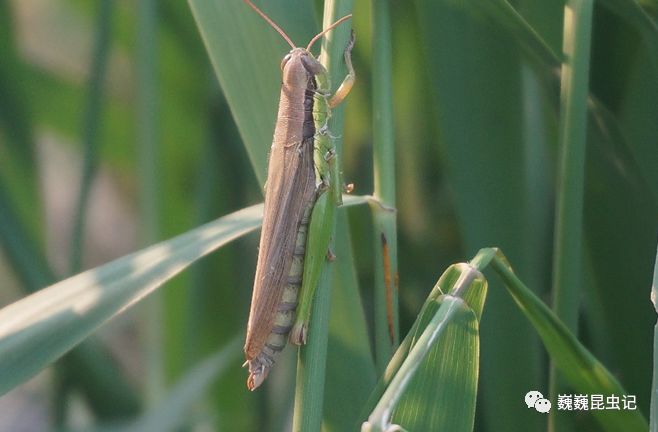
[38, 329]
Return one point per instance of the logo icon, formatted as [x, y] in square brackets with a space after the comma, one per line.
[543, 405]
[534, 399]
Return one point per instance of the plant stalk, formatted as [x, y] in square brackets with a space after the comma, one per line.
[568, 249]
[384, 220]
[92, 123]
[309, 394]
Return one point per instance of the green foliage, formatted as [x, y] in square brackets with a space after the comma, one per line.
[424, 392]
[654, 385]
[38, 329]
[471, 100]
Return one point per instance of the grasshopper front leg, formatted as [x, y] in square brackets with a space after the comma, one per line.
[322, 217]
[346, 86]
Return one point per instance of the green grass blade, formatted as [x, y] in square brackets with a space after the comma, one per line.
[621, 233]
[350, 367]
[629, 122]
[573, 125]
[312, 360]
[442, 395]
[89, 365]
[435, 387]
[447, 280]
[653, 416]
[621, 163]
[15, 117]
[403, 350]
[384, 221]
[353, 200]
[568, 234]
[379, 420]
[474, 81]
[170, 413]
[212, 306]
[20, 249]
[38, 329]
[580, 368]
[309, 395]
[311, 364]
[17, 154]
[92, 123]
[246, 53]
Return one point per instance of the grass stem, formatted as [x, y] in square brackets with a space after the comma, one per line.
[384, 222]
[309, 394]
[568, 248]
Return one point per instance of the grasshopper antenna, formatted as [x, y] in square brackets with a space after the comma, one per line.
[273, 24]
[323, 32]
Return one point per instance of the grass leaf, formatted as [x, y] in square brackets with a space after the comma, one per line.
[435, 386]
[581, 369]
[246, 52]
[38, 329]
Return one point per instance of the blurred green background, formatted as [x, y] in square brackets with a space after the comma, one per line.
[120, 97]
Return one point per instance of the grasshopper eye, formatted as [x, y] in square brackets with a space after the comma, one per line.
[284, 61]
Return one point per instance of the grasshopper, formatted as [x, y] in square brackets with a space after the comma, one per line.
[298, 175]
